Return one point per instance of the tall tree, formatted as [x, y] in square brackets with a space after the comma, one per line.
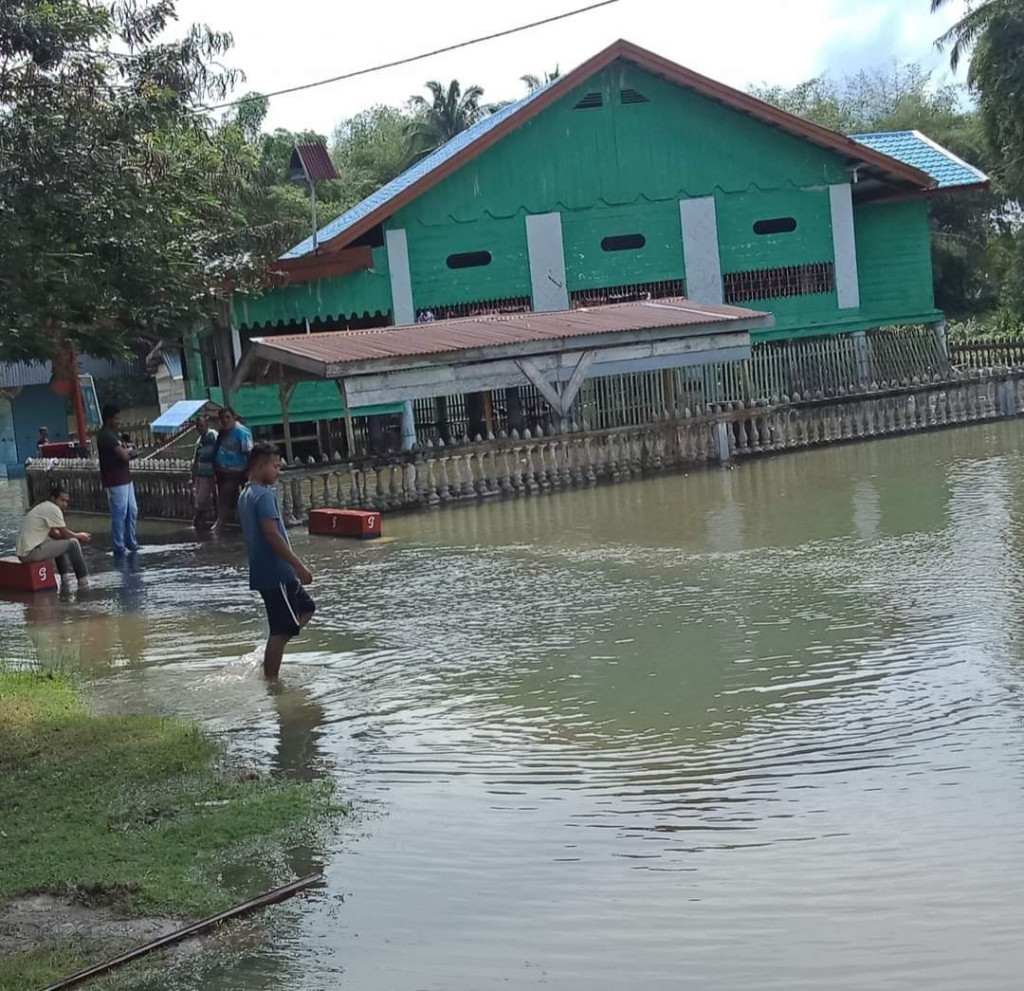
[123, 206]
[448, 112]
[370, 149]
[534, 83]
[961, 38]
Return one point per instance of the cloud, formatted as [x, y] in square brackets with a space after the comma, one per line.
[873, 35]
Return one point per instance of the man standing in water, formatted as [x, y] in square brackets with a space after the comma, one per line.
[234, 442]
[116, 475]
[274, 570]
[202, 475]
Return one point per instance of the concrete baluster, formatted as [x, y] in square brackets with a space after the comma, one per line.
[492, 469]
[430, 484]
[298, 505]
[444, 490]
[610, 458]
[516, 478]
[540, 462]
[505, 474]
[530, 481]
[589, 467]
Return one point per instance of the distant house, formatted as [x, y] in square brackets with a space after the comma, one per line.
[28, 402]
[630, 177]
[167, 366]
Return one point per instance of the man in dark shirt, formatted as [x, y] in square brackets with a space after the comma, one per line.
[116, 475]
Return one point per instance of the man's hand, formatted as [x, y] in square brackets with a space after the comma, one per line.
[302, 573]
[83, 538]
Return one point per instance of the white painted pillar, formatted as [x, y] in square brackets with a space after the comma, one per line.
[700, 250]
[547, 262]
[844, 244]
[402, 308]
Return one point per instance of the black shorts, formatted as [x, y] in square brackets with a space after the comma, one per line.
[285, 604]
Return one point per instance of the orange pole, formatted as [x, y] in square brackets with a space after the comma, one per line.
[76, 398]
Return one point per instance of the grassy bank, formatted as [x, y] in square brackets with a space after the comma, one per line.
[135, 813]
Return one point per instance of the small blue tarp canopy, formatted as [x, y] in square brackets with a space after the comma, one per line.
[179, 414]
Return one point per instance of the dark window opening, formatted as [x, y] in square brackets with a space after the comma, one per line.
[373, 238]
[816, 279]
[469, 259]
[477, 308]
[623, 242]
[628, 293]
[211, 368]
[776, 225]
[628, 96]
[591, 101]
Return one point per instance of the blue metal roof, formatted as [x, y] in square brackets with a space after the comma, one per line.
[411, 175]
[176, 416]
[919, 151]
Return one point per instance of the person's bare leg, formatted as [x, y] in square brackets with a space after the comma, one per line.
[272, 656]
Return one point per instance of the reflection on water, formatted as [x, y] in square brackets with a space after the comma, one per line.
[746, 729]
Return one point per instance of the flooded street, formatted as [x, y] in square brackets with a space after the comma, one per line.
[758, 728]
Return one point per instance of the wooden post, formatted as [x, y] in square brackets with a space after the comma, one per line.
[76, 397]
[284, 391]
[350, 435]
[489, 414]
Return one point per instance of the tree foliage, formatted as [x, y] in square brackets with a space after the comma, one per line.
[448, 112]
[534, 83]
[124, 209]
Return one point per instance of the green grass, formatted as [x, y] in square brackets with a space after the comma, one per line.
[134, 812]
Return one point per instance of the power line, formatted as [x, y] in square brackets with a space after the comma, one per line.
[413, 58]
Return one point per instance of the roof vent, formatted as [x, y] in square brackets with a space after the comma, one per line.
[590, 102]
[632, 96]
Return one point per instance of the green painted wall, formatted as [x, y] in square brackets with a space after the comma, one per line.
[358, 294]
[435, 284]
[588, 266]
[259, 405]
[678, 145]
[894, 260]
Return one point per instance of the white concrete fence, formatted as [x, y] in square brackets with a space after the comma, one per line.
[506, 467]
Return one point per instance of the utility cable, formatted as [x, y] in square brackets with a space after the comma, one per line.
[412, 58]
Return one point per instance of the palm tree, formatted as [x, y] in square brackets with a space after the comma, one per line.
[963, 35]
[448, 112]
[535, 82]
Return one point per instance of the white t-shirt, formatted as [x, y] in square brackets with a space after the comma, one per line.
[36, 526]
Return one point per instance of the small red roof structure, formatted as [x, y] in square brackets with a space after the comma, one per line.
[312, 163]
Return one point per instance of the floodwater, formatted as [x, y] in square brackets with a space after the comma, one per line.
[749, 729]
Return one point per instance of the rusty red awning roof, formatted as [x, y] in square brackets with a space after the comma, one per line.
[463, 334]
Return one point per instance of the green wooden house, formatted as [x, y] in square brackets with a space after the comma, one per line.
[630, 177]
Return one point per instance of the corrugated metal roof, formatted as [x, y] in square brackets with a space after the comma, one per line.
[410, 176]
[20, 374]
[469, 333]
[920, 151]
[315, 161]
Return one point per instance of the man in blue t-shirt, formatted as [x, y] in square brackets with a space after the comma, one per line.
[230, 454]
[274, 570]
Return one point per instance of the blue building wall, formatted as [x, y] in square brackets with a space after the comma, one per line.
[36, 406]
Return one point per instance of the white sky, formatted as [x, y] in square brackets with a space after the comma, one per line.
[738, 42]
